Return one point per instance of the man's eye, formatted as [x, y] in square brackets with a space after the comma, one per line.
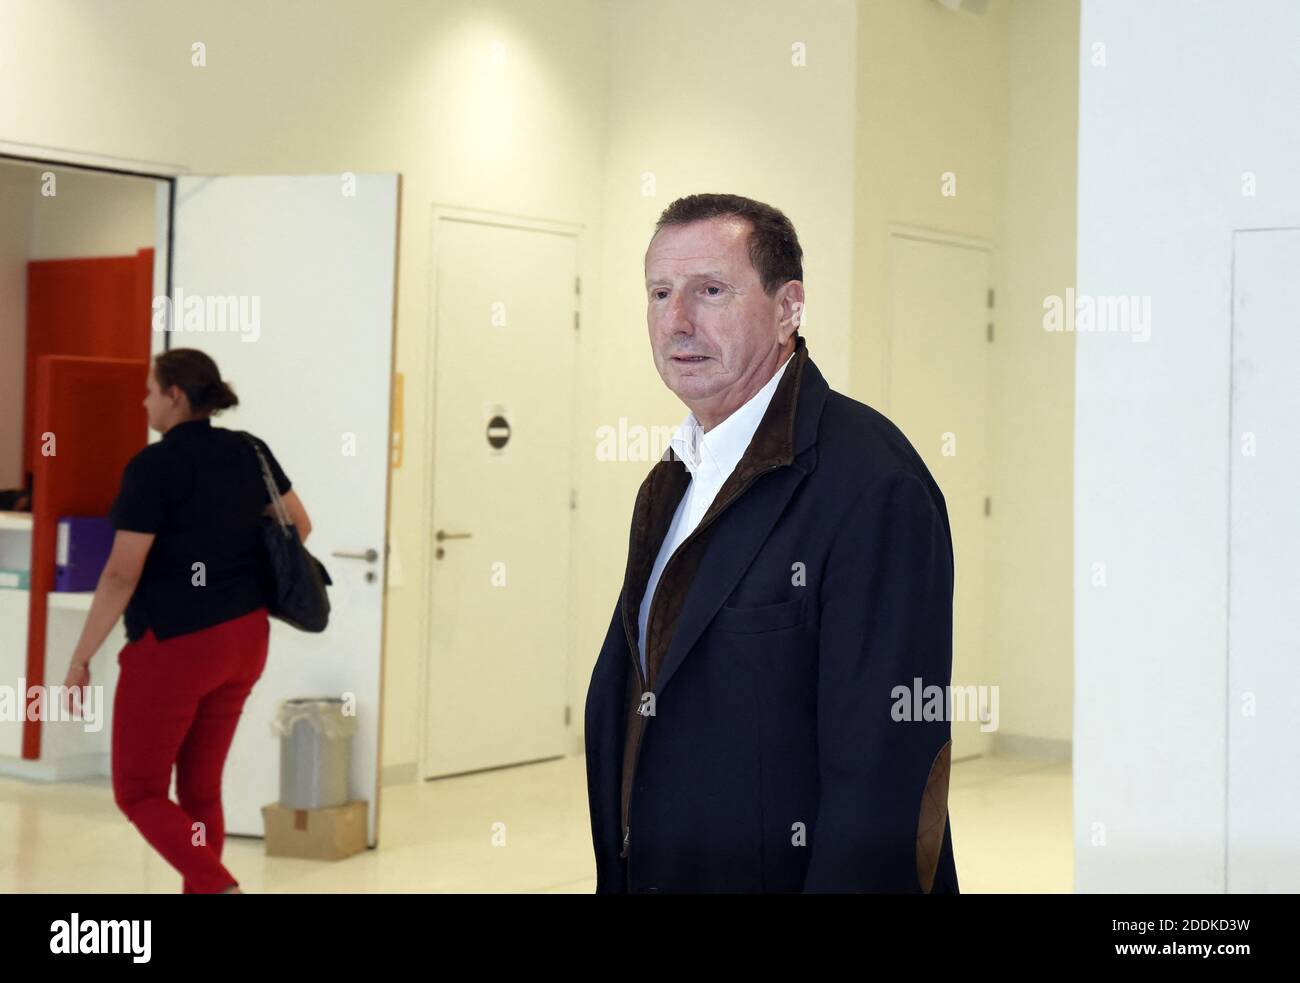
[719, 289]
[657, 295]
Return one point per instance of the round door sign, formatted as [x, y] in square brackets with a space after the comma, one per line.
[498, 432]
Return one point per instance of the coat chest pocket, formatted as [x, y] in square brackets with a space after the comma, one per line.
[752, 618]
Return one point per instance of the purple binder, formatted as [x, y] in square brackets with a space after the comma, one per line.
[83, 546]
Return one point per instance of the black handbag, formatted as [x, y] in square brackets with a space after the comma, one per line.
[296, 593]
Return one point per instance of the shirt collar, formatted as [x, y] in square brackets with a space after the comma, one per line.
[186, 427]
[717, 452]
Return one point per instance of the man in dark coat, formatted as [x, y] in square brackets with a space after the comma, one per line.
[749, 721]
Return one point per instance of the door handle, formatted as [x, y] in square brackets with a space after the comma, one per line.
[442, 534]
[370, 556]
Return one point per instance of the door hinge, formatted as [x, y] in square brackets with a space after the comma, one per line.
[990, 333]
[577, 285]
[988, 505]
[568, 714]
[573, 498]
[990, 298]
[575, 320]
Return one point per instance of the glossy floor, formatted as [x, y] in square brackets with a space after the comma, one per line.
[1011, 833]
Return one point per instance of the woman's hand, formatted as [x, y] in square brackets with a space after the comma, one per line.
[77, 677]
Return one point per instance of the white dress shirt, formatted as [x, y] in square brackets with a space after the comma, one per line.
[710, 458]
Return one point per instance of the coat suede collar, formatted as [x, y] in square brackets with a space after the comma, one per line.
[785, 435]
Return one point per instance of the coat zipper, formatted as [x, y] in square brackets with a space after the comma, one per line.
[636, 757]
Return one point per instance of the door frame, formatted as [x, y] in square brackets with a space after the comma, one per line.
[938, 237]
[439, 213]
[36, 153]
[921, 233]
[84, 160]
[164, 226]
[32, 154]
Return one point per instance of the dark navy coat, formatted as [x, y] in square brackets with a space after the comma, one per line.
[765, 753]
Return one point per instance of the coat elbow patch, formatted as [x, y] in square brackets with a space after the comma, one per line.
[934, 818]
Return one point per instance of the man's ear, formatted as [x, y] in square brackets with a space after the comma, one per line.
[791, 298]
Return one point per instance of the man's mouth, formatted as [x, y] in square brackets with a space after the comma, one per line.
[688, 359]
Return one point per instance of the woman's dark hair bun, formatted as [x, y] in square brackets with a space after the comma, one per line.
[220, 397]
[196, 375]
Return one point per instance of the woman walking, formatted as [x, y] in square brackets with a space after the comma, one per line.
[188, 571]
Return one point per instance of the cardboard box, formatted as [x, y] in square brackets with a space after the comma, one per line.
[315, 834]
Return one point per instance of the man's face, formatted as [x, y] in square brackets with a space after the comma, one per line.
[713, 330]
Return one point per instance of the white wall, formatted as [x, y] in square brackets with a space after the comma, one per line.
[1190, 98]
[1263, 618]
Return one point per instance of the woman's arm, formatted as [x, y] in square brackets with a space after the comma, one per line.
[297, 513]
[116, 585]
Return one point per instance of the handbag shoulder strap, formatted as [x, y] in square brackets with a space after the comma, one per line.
[281, 512]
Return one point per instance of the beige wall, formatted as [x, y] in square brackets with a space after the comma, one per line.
[593, 97]
[328, 86]
[992, 99]
[583, 106]
[718, 108]
[1033, 384]
[932, 98]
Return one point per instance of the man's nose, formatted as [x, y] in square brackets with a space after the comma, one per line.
[679, 321]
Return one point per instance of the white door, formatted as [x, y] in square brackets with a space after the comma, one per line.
[1263, 752]
[505, 321]
[938, 395]
[316, 265]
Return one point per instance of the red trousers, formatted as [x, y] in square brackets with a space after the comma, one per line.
[178, 702]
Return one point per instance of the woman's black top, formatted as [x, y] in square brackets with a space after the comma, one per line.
[200, 491]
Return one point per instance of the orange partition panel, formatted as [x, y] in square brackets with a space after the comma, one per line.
[94, 307]
[90, 422]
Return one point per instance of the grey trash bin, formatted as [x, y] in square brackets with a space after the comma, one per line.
[315, 751]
